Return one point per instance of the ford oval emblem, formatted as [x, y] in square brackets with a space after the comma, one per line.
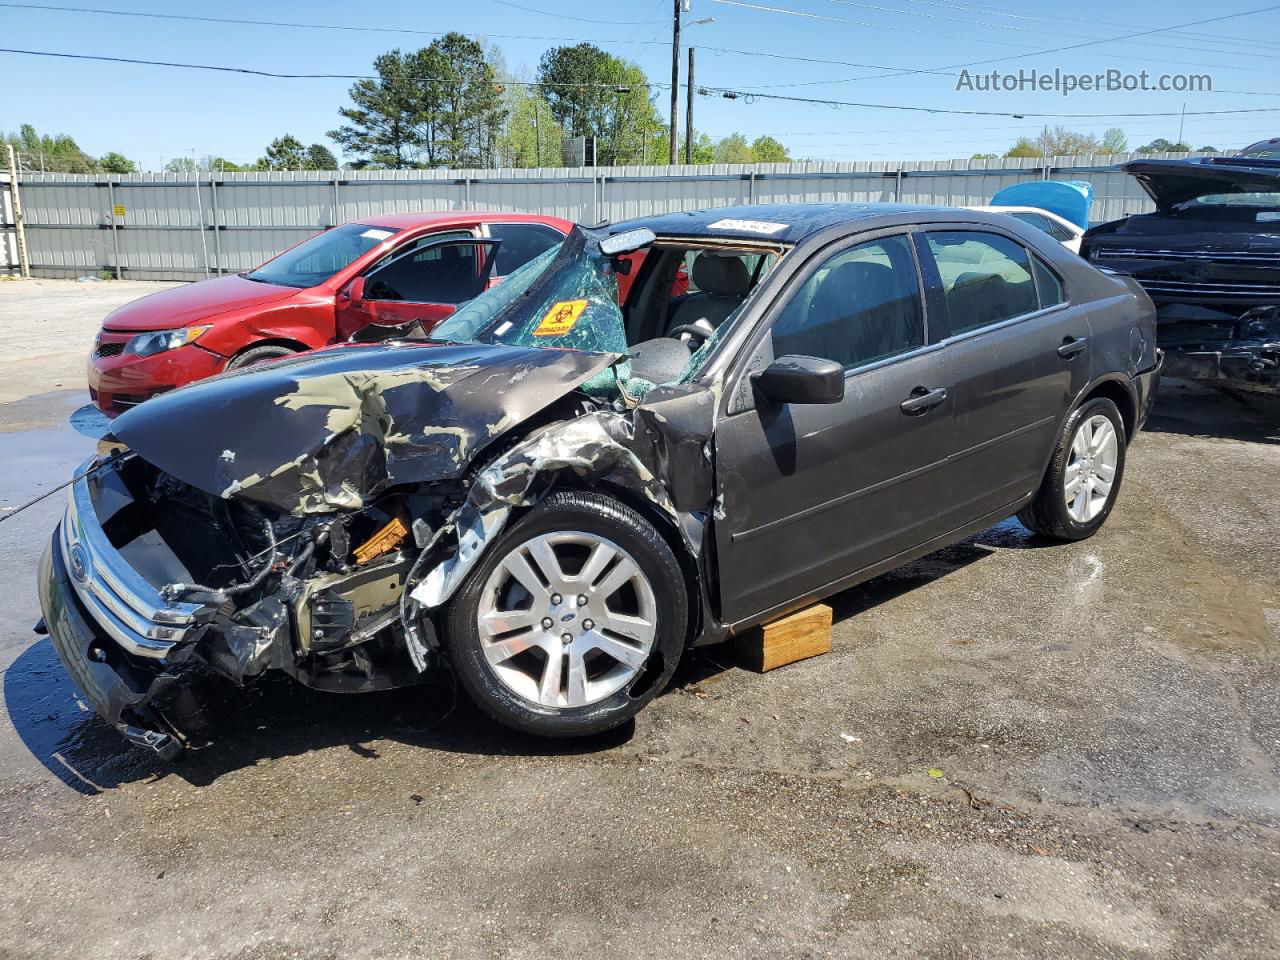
[78, 562]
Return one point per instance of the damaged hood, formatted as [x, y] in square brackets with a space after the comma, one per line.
[1171, 182]
[331, 430]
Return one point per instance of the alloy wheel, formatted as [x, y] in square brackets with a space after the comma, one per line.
[1091, 468]
[567, 619]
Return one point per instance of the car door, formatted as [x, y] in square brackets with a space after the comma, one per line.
[521, 242]
[425, 280]
[1018, 350]
[813, 493]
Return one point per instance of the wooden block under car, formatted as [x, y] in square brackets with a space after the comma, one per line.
[798, 636]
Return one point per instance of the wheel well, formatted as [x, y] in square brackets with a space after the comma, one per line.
[1118, 395]
[666, 528]
[295, 345]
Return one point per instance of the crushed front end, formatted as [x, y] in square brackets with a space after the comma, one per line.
[147, 578]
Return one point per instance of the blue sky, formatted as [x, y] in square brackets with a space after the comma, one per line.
[150, 113]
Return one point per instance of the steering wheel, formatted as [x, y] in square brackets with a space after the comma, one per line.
[690, 328]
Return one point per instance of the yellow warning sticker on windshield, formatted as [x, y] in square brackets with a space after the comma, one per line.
[560, 319]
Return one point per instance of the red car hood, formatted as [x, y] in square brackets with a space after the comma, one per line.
[192, 303]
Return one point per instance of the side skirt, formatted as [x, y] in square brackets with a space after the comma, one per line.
[884, 566]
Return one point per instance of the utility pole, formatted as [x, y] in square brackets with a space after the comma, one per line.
[688, 113]
[1182, 121]
[19, 229]
[675, 76]
[537, 135]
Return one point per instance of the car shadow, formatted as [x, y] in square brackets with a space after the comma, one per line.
[1192, 409]
[238, 727]
[277, 717]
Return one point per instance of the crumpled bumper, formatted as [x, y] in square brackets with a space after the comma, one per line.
[1148, 384]
[118, 689]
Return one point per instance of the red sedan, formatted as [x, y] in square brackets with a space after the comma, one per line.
[384, 269]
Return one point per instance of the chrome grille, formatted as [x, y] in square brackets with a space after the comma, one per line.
[1233, 258]
[1236, 291]
[127, 608]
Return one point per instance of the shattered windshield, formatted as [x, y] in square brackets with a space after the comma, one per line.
[565, 298]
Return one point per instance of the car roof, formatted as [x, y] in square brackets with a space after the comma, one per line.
[787, 222]
[449, 218]
[1005, 208]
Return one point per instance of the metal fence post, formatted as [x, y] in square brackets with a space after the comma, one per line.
[337, 205]
[19, 228]
[213, 216]
[115, 234]
[897, 185]
[204, 242]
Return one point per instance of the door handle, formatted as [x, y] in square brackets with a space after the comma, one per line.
[1071, 346]
[922, 400]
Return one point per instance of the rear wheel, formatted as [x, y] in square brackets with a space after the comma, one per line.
[572, 621]
[256, 355]
[1082, 482]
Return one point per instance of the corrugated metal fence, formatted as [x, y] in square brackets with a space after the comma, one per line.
[179, 227]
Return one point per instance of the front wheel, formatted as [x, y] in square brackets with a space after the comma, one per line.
[572, 621]
[257, 355]
[1082, 482]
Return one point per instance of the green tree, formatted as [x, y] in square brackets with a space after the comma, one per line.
[1206, 149]
[985, 156]
[1114, 141]
[766, 149]
[593, 93]
[116, 163]
[320, 157]
[284, 153]
[733, 149]
[53, 154]
[1024, 147]
[532, 136]
[1161, 145]
[180, 165]
[465, 110]
[384, 125]
[223, 165]
[1057, 142]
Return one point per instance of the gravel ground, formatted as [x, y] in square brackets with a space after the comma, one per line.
[47, 328]
[1014, 750]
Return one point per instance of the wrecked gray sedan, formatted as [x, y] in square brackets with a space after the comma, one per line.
[556, 496]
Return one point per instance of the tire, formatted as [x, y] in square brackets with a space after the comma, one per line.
[256, 355]
[526, 675]
[1049, 513]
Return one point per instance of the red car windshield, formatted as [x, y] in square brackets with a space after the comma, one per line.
[316, 260]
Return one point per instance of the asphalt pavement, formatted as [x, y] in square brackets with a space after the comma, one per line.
[1015, 749]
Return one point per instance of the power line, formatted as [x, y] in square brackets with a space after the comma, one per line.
[283, 23]
[568, 16]
[1017, 15]
[621, 88]
[732, 94]
[750, 96]
[1086, 43]
[1006, 26]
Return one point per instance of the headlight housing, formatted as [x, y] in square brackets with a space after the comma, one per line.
[147, 344]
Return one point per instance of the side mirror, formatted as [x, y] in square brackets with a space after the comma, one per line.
[355, 291]
[793, 379]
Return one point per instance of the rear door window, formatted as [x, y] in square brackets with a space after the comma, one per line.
[986, 278]
[521, 242]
